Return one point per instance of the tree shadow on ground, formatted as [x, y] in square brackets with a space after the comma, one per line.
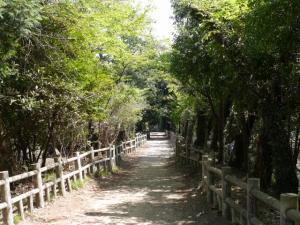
[154, 191]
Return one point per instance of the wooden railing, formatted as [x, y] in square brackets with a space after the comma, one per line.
[219, 184]
[65, 172]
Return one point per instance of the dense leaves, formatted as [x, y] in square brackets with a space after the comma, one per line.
[70, 72]
[238, 59]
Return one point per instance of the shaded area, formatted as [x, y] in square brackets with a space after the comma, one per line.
[149, 190]
[155, 193]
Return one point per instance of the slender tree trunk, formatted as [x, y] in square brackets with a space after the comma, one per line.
[247, 130]
[48, 141]
[201, 129]
[263, 163]
[286, 180]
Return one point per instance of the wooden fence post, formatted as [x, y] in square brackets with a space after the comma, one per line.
[287, 201]
[253, 183]
[38, 183]
[130, 146]
[92, 158]
[30, 203]
[110, 163]
[113, 152]
[59, 170]
[78, 165]
[123, 147]
[116, 155]
[226, 192]
[210, 181]
[20, 207]
[5, 196]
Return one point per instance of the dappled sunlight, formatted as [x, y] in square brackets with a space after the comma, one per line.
[175, 196]
[153, 194]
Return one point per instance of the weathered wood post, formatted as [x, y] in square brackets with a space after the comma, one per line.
[59, 171]
[226, 192]
[113, 151]
[210, 181]
[78, 165]
[287, 201]
[253, 183]
[116, 155]
[123, 147]
[20, 207]
[131, 146]
[30, 203]
[5, 196]
[92, 159]
[110, 156]
[38, 183]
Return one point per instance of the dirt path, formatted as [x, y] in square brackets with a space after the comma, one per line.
[152, 192]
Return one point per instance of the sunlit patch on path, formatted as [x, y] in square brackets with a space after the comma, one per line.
[153, 192]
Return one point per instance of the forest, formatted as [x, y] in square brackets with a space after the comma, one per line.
[89, 73]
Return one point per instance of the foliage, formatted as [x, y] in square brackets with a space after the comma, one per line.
[237, 58]
[69, 73]
[77, 184]
[49, 177]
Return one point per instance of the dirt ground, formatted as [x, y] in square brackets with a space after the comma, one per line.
[148, 190]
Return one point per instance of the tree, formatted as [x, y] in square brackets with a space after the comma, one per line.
[240, 61]
[65, 66]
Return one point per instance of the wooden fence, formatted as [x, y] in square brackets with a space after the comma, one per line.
[65, 172]
[219, 184]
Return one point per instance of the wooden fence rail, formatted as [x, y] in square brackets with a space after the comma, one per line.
[219, 184]
[45, 190]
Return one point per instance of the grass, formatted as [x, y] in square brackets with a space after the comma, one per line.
[103, 172]
[50, 177]
[17, 219]
[77, 184]
[116, 169]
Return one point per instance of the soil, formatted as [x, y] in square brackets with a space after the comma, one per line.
[148, 189]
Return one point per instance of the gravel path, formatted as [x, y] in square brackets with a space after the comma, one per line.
[150, 190]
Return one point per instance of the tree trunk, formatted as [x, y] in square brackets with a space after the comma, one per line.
[201, 129]
[275, 116]
[286, 180]
[263, 163]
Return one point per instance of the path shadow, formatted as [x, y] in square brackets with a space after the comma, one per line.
[154, 191]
